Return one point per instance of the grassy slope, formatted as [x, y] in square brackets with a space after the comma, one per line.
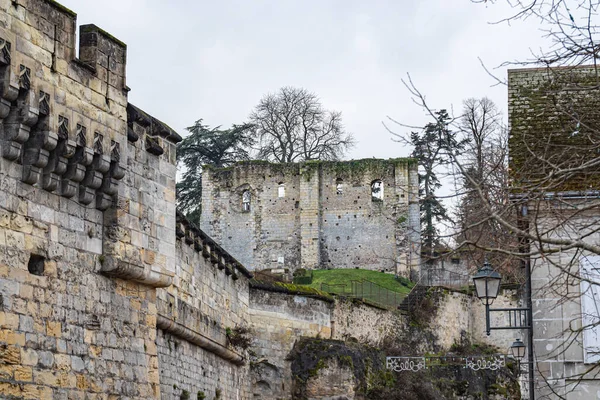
[344, 276]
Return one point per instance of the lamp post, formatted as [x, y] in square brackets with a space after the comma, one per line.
[487, 285]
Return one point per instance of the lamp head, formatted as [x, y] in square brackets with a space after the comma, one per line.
[518, 349]
[487, 282]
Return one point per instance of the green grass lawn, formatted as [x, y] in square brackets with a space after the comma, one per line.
[344, 276]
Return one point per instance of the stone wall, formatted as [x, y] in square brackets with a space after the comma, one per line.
[210, 293]
[67, 331]
[278, 320]
[558, 313]
[315, 214]
[351, 320]
[94, 260]
[185, 367]
[555, 106]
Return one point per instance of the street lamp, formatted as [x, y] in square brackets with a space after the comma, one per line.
[518, 349]
[487, 285]
[518, 352]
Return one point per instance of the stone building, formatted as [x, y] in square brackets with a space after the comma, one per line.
[104, 291]
[347, 214]
[553, 114]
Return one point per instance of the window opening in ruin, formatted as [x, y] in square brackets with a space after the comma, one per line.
[281, 189]
[36, 264]
[377, 190]
[339, 186]
[246, 199]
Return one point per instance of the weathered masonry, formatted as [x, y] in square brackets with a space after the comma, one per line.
[105, 292]
[553, 113]
[350, 214]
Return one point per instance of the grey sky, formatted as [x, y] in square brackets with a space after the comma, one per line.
[215, 59]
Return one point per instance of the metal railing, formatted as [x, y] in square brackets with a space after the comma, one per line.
[305, 279]
[443, 277]
[368, 291]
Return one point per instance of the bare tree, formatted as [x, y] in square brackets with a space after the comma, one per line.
[485, 161]
[571, 27]
[550, 206]
[292, 125]
[548, 199]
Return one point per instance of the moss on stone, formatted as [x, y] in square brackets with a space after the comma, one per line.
[291, 288]
[94, 28]
[62, 8]
[351, 169]
[556, 117]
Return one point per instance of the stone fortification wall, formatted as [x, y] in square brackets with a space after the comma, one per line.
[351, 320]
[457, 317]
[67, 331]
[94, 260]
[270, 230]
[315, 214]
[280, 319]
[209, 294]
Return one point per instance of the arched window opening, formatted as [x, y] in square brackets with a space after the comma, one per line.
[339, 186]
[246, 199]
[377, 190]
[281, 189]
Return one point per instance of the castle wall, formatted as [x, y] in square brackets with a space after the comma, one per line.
[279, 319]
[327, 217]
[67, 331]
[366, 324]
[98, 274]
[271, 230]
[210, 293]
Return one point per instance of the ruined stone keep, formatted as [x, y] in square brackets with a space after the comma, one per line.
[347, 214]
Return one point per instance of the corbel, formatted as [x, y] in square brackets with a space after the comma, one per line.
[22, 115]
[94, 172]
[77, 164]
[41, 142]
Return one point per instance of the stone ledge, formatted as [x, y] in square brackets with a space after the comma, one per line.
[198, 339]
[128, 271]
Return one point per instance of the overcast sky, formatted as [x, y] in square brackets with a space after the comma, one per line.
[192, 59]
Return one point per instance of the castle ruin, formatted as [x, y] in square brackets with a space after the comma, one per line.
[316, 214]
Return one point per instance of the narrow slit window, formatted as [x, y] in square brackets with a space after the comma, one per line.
[246, 200]
[339, 186]
[281, 189]
[377, 190]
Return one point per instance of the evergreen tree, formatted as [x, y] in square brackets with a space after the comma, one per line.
[207, 146]
[432, 148]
